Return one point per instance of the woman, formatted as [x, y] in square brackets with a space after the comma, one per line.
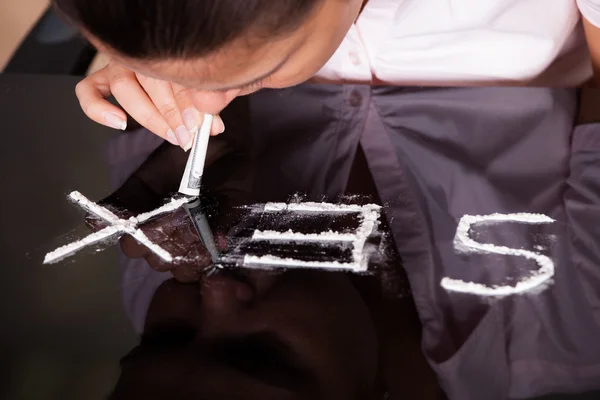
[172, 61]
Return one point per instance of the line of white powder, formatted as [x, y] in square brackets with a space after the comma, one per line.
[270, 260]
[156, 249]
[319, 207]
[289, 236]
[92, 207]
[173, 205]
[72, 248]
[464, 243]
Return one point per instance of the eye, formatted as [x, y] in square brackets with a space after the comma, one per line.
[253, 86]
[258, 84]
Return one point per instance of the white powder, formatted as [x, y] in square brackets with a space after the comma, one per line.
[464, 243]
[275, 207]
[269, 260]
[117, 226]
[370, 221]
[173, 205]
[369, 217]
[74, 247]
[290, 235]
[153, 247]
[319, 207]
[92, 207]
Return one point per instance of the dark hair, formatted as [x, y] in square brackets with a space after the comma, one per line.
[159, 29]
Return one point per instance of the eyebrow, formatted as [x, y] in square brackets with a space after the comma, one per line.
[260, 78]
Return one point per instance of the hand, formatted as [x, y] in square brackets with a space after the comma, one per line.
[167, 109]
[176, 234]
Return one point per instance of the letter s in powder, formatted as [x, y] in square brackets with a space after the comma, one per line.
[465, 244]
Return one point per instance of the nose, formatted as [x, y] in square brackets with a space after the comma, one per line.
[231, 304]
[227, 292]
[224, 294]
[213, 102]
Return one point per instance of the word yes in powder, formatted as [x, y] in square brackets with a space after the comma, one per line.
[369, 216]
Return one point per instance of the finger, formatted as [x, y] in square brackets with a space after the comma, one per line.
[195, 263]
[192, 119]
[158, 232]
[132, 248]
[158, 264]
[222, 241]
[92, 92]
[187, 273]
[213, 103]
[218, 126]
[128, 92]
[171, 232]
[163, 228]
[163, 97]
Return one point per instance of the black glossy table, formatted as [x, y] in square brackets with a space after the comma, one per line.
[65, 326]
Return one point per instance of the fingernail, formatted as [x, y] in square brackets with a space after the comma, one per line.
[115, 121]
[191, 119]
[183, 137]
[171, 138]
[219, 125]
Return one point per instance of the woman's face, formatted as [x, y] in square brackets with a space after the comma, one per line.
[296, 335]
[251, 63]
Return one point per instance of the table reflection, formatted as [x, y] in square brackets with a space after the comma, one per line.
[430, 158]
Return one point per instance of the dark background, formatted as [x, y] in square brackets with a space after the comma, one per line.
[63, 328]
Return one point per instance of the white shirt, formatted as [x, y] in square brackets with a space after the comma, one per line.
[475, 42]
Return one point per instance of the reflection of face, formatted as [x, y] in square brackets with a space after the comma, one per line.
[253, 62]
[300, 334]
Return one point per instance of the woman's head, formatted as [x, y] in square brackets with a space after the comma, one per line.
[217, 44]
[292, 335]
